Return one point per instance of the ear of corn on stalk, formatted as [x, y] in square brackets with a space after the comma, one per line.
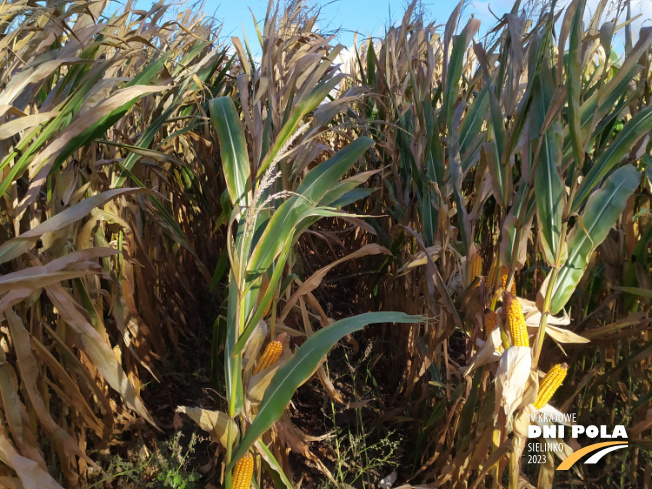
[490, 322]
[242, 472]
[270, 356]
[550, 384]
[503, 280]
[263, 290]
[515, 321]
[476, 266]
[504, 273]
[491, 278]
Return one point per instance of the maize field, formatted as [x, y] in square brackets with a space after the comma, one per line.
[275, 261]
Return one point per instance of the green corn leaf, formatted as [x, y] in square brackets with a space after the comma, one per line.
[233, 149]
[601, 212]
[274, 469]
[550, 191]
[265, 301]
[314, 187]
[456, 177]
[635, 291]
[343, 187]
[602, 102]
[430, 216]
[574, 83]
[232, 360]
[371, 64]
[302, 366]
[352, 196]
[639, 126]
[489, 152]
[471, 127]
[455, 66]
[308, 104]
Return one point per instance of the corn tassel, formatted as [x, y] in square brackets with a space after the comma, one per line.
[550, 384]
[490, 322]
[516, 321]
[242, 472]
[270, 356]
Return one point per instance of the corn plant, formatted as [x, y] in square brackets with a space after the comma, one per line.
[261, 235]
[497, 186]
[547, 148]
[83, 133]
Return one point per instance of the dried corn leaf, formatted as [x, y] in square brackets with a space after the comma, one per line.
[214, 422]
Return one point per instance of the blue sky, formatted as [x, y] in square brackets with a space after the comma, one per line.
[369, 17]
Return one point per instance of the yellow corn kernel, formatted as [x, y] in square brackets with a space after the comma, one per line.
[490, 322]
[242, 472]
[270, 356]
[491, 278]
[476, 266]
[550, 384]
[503, 280]
[515, 320]
[504, 273]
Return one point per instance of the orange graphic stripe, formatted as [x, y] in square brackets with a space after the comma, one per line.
[570, 461]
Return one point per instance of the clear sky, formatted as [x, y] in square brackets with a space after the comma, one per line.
[369, 17]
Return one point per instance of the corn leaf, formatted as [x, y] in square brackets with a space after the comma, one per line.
[574, 82]
[550, 191]
[23, 243]
[317, 183]
[302, 366]
[601, 212]
[639, 126]
[275, 470]
[308, 104]
[233, 150]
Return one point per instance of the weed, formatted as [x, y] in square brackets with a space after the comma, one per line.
[362, 455]
[166, 467]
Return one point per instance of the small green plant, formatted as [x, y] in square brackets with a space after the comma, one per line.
[363, 457]
[165, 468]
[174, 463]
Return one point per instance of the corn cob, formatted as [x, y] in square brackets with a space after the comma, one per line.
[263, 290]
[270, 356]
[490, 322]
[515, 321]
[476, 266]
[269, 306]
[503, 280]
[242, 472]
[491, 278]
[550, 384]
[504, 273]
